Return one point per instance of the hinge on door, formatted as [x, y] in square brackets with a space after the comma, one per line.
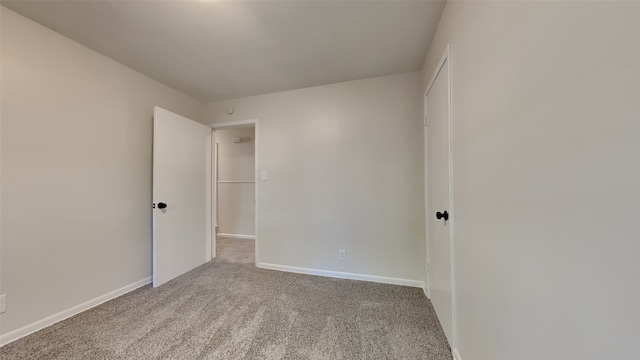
[428, 267]
[425, 121]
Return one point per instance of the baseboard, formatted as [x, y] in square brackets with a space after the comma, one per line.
[424, 289]
[236, 236]
[48, 321]
[343, 275]
[456, 355]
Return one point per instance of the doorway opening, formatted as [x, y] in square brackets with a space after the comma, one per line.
[234, 215]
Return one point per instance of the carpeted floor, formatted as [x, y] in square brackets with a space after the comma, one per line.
[236, 250]
[228, 309]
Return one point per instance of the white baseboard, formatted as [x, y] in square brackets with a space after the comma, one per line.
[424, 289]
[456, 355]
[343, 275]
[236, 236]
[48, 321]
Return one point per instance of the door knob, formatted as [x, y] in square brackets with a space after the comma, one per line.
[164, 206]
[442, 215]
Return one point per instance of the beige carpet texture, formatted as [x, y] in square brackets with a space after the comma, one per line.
[229, 309]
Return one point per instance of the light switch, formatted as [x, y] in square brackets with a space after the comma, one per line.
[264, 176]
[3, 303]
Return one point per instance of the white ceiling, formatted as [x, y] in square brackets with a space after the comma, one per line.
[217, 50]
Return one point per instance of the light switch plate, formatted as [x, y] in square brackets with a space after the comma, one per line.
[3, 303]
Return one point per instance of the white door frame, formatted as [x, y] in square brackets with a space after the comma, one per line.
[446, 57]
[230, 125]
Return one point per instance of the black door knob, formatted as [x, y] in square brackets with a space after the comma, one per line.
[164, 206]
[442, 215]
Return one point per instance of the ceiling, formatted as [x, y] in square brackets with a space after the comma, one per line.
[218, 50]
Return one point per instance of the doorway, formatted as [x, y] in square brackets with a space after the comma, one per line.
[235, 192]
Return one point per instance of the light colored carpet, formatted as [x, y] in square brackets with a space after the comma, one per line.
[228, 309]
[236, 250]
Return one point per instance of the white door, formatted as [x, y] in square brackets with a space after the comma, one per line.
[437, 157]
[181, 195]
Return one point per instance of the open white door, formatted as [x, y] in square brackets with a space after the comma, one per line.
[181, 195]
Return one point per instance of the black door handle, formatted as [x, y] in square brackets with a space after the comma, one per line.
[162, 206]
[439, 215]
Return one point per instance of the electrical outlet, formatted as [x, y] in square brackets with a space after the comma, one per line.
[342, 255]
[3, 303]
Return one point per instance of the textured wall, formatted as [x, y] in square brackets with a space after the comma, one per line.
[76, 171]
[545, 136]
[345, 172]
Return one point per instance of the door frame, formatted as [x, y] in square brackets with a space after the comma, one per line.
[214, 159]
[446, 57]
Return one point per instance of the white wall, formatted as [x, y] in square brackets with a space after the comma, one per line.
[345, 172]
[236, 162]
[546, 167]
[76, 171]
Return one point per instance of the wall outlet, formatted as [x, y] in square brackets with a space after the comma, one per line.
[342, 254]
[3, 303]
